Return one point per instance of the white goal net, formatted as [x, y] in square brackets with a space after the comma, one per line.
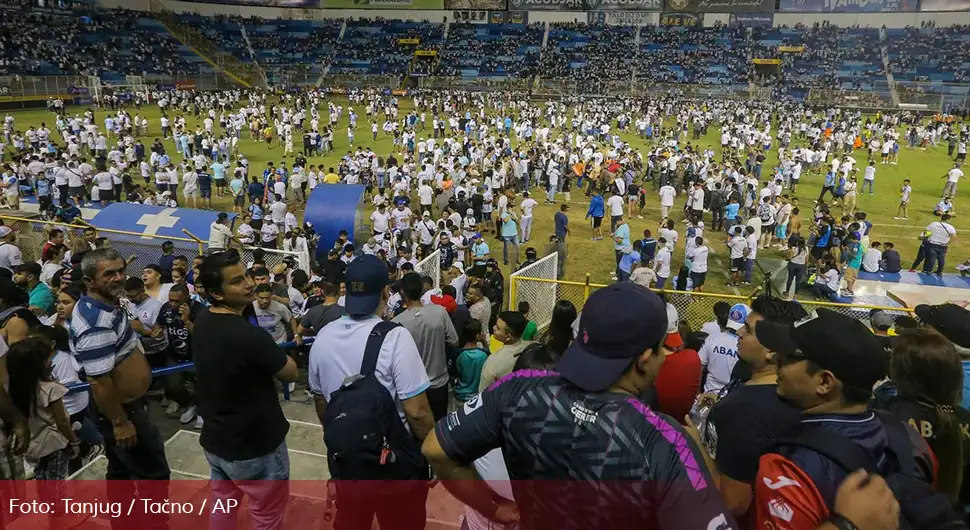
[431, 266]
[537, 285]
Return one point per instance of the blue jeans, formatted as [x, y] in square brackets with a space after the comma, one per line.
[748, 269]
[510, 240]
[935, 256]
[264, 479]
[661, 281]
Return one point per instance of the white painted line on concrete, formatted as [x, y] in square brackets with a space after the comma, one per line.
[309, 423]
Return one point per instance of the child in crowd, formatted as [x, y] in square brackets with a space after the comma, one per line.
[468, 363]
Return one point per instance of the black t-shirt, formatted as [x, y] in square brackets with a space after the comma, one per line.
[177, 331]
[235, 364]
[742, 425]
[923, 419]
[579, 460]
[321, 315]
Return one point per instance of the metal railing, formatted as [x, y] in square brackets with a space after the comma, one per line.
[16, 86]
[696, 308]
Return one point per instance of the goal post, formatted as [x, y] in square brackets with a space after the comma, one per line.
[431, 266]
[538, 285]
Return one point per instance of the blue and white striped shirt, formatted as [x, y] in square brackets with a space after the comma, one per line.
[100, 335]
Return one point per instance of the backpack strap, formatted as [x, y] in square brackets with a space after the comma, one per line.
[899, 442]
[373, 348]
[847, 454]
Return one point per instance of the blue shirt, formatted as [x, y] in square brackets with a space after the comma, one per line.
[597, 207]
[731, 211]
[100, 336]
[43, 187]
[562, 223]
[218, 171]
[509, 227]
[649, 247]
[622, 232]
[628, 261]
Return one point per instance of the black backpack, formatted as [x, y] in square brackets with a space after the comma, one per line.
[365, 437]
[921, 507]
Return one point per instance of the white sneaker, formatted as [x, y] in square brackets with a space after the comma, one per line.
[188, 415]
[172, 409]
[198, 423]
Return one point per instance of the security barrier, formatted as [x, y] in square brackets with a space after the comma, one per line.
[542, 293]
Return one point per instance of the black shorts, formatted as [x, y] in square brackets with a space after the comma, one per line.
[597, 221]
[698, 278]
[105, 195]
[220, 183]
[768, 229]
[737, 264]
[239, 200]
[817, 252]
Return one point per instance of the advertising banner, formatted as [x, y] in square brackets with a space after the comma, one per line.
[945, 5]
[621, 18]
[475, 17]
[383, 4]
[585, 5]
[753, 20]
[792, 49]
[849, 6]
[681, 19]
[497, 5]
[264, 3]
[766, 61]
[721, 6]
[409, 41]
[519, 17]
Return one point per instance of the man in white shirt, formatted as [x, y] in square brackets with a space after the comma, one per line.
[737, 245]
[667, 194]
[380, 220]
[10, 255]
[339, 353]
[719, 353]
[219, 233]
[698, 263]
[615, 206]
[525, 221]
[425, 196]
[941, 234]
[952, 177]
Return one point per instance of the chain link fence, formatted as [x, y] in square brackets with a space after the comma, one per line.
[541, 289]
[542, 292]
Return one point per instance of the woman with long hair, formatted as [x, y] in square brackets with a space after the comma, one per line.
[64, 306]
[925, 368]
[559, 335]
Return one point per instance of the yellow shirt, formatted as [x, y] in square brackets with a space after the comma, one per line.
[331, 178]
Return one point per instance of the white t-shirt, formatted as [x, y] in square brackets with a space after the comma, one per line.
[954, 175]
[719, 354]
[219, 236]
[339, 350]
[870, 260]
[662, 262]
[615, 203]
[425, 194]
[940, 232]
[104, 181]
[379, 221]
[667, 194]
[277, 212]
[698, 259]
[527, 205]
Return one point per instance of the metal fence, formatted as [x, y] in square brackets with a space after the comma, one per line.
[873, 100]
[695, 308]
[347, 81]
[134, 247]
[477, 84]
[17, 86]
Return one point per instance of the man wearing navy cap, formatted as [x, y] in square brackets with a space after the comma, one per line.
[585, 423]
[337, 354]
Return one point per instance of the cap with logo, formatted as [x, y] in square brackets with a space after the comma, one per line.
[737, 315]
[366, 279]
[617, 324]
[834, 342]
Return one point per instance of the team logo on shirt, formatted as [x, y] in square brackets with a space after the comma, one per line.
[582, 414]
[782, 482]
[473, 404]
[780, 509]
[719, 523]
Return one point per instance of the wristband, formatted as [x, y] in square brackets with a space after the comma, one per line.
[841, 522]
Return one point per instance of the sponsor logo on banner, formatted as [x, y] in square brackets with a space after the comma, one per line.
[752, 20]
[945, 5]
[624, 5]
[272, 3]
[681, 19]
[379, 4]
[546, 5]
[627, 18]
[849, 6]
[720, 6]
[519, 17]
[497, 5]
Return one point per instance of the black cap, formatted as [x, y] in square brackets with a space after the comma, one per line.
[835, 342]
[31, 267]
[366, 279]
[951, 320]
[617, 324]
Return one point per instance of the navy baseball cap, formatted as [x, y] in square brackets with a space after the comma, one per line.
[366, 279]
[617, 324]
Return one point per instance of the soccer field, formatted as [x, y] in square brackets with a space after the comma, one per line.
[925, 168]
